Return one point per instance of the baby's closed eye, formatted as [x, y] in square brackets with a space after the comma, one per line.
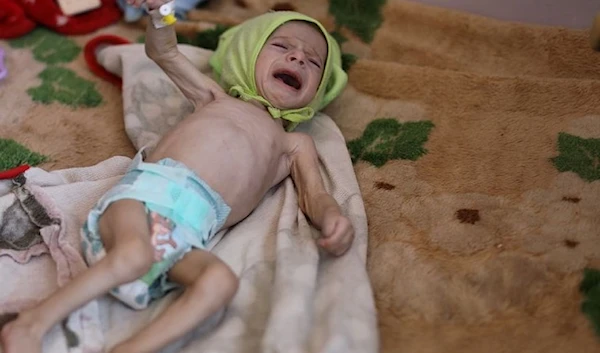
[283, 46]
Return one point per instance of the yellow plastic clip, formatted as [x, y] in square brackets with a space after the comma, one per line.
[169, 19]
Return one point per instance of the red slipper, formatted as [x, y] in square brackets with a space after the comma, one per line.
[89, 53]
[48, 13]
[13, 22]
[12, 173]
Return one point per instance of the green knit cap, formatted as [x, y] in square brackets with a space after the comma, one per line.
[234, 64]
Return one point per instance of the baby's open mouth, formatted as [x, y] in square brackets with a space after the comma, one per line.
[289, 78]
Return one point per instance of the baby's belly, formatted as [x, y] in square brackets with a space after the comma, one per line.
[239, 163]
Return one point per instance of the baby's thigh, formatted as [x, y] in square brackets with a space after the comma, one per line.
[124, 221]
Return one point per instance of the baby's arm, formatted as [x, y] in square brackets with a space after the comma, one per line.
[161, 47]
[322, 209]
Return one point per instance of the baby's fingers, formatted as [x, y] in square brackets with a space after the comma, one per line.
[328, 244]
[135, 3]
[336, 244]
[154, 4]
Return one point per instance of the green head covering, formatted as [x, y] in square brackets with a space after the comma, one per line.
[234, 64]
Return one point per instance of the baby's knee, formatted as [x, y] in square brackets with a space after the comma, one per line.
[221, 280]
[229, 281]
[132, 259]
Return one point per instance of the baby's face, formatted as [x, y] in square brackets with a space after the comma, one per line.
[290, 65]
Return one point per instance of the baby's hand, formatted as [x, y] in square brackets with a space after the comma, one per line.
[337, 233]
[152, 4]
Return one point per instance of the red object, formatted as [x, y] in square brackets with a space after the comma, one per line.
[49, 14]
[89, 53]
[13, 21]
[12, 173]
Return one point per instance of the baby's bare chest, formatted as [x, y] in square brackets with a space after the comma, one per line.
[239, 138]
[242, 123]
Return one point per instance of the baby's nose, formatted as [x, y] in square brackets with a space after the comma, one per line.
[299, 57]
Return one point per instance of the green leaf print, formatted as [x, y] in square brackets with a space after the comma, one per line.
[13, 154]
[64, 86]
[363, 17]
[48, 47]
[578, 155]
[387, 139]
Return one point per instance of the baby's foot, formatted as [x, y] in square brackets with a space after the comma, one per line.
[19, 336]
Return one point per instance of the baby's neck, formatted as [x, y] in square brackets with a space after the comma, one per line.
[284, 123]
[258, 104]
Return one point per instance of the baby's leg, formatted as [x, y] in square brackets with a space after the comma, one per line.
[209, 286]
[125, 232]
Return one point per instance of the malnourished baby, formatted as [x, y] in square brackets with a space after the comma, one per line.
[148, 234]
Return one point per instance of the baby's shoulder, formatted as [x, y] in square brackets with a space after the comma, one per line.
[299, 142]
